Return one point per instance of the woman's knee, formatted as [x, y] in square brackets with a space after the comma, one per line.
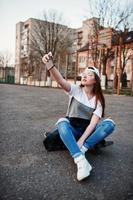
[108, 125]
[63, 126]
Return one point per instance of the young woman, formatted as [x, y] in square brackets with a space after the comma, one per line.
[82, 128]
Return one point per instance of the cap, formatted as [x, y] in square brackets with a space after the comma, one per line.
[94, 69]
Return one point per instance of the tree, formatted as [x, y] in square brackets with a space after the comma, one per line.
[110, 14]
[123, 38]
[50, 35]
[5, 58]
[125, 56]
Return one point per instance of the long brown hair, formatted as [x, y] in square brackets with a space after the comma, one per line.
[97, 91]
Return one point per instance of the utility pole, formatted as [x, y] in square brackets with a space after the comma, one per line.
[132, 75]
[88, 54]
[66, 67]
[58, 66]
[99, 60]
[76, 67]
[115, 68]
[119, 66]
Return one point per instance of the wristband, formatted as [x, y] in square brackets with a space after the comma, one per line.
[51, 67]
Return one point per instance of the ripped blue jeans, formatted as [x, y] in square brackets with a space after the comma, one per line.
[69, 135]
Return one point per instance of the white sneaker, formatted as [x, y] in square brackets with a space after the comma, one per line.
[83, 149]
[83, 167]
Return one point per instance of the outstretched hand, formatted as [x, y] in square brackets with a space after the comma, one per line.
[47, 60]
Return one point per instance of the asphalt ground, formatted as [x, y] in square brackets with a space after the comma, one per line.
[29, 172]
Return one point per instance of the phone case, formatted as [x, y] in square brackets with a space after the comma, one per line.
[50, 64]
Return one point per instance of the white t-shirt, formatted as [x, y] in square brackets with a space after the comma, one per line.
[79, 94]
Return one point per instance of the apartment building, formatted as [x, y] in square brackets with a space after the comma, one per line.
[22, 46]
[84, 37]
[24, 33]
[87, 41]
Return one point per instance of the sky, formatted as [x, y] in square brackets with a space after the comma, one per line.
[13, 11]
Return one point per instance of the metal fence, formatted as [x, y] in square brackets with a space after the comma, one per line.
[7, 75]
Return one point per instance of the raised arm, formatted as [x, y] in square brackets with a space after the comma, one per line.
[48, 61]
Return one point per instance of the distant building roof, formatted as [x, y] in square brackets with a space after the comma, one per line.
[127, 38]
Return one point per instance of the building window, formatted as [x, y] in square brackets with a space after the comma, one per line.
[81, 71]
[82, 59]
[26, 26]
[80, 35]
[128, 70]
[112, 70]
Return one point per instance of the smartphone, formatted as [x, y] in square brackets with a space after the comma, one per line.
[50, 63]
